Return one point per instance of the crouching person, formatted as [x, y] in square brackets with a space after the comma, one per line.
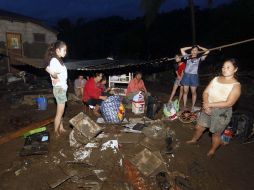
[92, 93]
[135, 86]
[218, 98]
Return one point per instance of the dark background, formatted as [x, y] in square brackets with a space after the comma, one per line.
[124, 38]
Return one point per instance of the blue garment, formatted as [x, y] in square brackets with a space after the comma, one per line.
[192, 64]
[190, 80]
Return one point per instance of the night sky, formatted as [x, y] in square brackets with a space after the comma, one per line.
[52, 10]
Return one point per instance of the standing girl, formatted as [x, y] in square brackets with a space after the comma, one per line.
[190, 77]
[58, 74]
[179, 73]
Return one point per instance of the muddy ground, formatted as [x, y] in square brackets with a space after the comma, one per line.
[232, 168]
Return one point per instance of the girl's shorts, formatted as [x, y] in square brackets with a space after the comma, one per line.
[190, 80]
[177, 82]
[60, 95]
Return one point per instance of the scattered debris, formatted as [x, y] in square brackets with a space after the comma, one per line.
[182, 183]
[100, 174]
[57, 177]
[22, 167]
[155, 131]
[102, 121]
[146, 161]
[162, 181]
[73, 141]
[84, 128]
[128, 138]
[152, 144]
[113, 144]
[92, 145]
[134, 177]
[81, 154]
[11, 79]
[62, 154]
[36, 144]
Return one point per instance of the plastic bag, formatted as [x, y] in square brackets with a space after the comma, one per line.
[138, 97]
[169, 110]
[113, 110]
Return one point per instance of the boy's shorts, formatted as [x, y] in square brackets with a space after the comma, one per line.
[217, 121]
[60, 95]
[177, 82]
[190, 80]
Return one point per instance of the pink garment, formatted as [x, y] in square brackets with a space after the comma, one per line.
[135, 86]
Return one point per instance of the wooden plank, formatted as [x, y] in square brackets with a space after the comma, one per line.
[8, 137]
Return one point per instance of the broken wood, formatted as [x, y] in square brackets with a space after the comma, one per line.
[57, 177]
[8, 137]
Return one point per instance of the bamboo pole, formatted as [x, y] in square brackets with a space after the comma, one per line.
[164, 59]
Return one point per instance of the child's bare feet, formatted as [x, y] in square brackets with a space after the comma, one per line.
[57, 134]
[62, 130]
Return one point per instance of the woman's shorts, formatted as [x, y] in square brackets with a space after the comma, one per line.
[217, 121]
[60, 95]
[190, 80]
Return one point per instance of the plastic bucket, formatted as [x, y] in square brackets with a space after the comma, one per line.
[42, 103]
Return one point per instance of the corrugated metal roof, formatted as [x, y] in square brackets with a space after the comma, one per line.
[86, 65]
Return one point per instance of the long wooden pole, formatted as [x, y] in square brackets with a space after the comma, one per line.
[10, 136]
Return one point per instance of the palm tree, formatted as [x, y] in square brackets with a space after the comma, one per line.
[151, 8]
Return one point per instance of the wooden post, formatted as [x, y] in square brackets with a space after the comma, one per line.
[193, 25]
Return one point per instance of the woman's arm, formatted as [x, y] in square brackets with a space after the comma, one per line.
[52, 74]
[103, 97]
[183, 50]
[178, 76]
[205, 50]
[143, 87]
[232, 98]
[206, 108]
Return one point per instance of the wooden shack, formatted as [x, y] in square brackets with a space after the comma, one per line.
[23, 39]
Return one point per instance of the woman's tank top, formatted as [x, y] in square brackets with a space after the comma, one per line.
[219, 92]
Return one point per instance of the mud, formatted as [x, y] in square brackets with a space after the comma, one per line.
[232, 168]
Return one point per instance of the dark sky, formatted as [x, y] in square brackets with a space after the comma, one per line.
[52, 10]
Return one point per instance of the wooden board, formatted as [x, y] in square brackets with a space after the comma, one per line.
[8, 137]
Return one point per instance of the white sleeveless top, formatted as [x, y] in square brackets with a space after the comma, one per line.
[61, 71]
[219, 92]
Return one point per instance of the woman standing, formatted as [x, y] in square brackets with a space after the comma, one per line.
[190, 77]
[218, 98]
[58, 74]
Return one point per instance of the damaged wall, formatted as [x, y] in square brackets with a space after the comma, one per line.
[32, 47]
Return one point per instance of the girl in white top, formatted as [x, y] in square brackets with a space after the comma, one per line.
[218, 98]
[58, 74]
